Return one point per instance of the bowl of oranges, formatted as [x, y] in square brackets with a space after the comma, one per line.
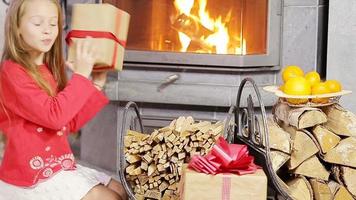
[300, 89]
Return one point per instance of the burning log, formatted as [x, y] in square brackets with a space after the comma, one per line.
[155, 161]
[199, 46]
[191, 26]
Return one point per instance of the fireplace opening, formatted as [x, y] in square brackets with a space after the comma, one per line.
[198, 26]
[195, 28]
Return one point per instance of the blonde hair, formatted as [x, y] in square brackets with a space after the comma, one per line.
[16, 50]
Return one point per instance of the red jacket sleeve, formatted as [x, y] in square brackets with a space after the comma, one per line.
[94, 104]
[22, 96]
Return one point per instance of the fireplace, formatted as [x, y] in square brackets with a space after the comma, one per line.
[168, 79]
[204, 34]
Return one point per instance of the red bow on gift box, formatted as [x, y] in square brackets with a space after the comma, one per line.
[225, 158]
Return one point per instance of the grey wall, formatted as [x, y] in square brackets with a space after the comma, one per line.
[341, 62]
[302, 28]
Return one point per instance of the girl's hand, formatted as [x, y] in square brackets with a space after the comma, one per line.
[99, 79]
[86, 55]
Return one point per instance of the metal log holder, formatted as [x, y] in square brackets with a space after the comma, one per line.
[251, 129]
[242, 124]
[130, 118]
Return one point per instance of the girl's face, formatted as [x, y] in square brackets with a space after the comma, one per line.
[39, 25]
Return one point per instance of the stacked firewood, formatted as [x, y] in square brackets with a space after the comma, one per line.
[155, 160]
[314, 151]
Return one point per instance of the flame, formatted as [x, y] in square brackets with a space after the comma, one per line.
[219, 39]
[184, 40]
[184, 6]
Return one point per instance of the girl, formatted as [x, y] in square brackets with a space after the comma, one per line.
[39, 108]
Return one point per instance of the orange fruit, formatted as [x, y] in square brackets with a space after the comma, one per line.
[291, 71]
[297, 101]
[281, 88]
[333, 85]
[320, 88]
[313, 78]
[297, 86]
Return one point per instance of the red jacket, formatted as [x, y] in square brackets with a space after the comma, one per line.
[36, 124]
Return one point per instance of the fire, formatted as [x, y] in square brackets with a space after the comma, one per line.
[211, 34]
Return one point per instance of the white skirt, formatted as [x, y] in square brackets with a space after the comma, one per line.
[66, 185]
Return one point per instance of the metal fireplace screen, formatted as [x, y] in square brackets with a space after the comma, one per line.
[233, 27]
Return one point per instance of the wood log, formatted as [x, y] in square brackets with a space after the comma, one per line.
[326, 138]
[137, 171]
[299, 117]
[303, 148]
[336, 172]
[283, 185]
[312, 168]
[147, 158]
[320, 189]
[132, 158]
[153, 194]
[182, 124]
[343, 194]
[136, 134]
[218, 128]
[308, 118]
[339, 192]
[278, 159]
[278, 138]
[156, 159]
[344, 153]
[168, 194]
[348, 176]
[143, 179]
[144, 166]
[164, 185]
[129, 169]
[139, 197]
[340, 121]
[151, 169]
[300, 189]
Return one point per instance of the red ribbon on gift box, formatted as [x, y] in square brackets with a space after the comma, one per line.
[225, 158]
[93, 34]
[96, 34]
